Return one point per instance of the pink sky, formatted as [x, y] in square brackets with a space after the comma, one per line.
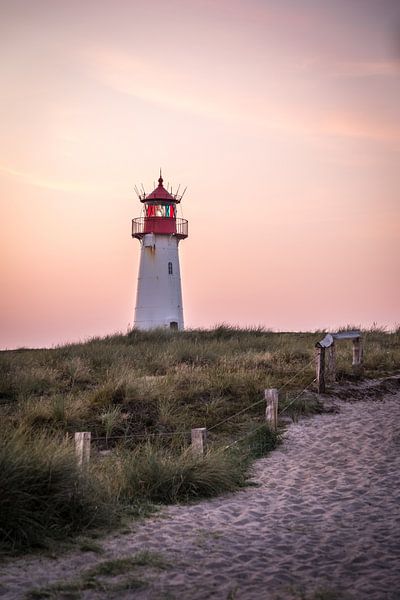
[283, 119]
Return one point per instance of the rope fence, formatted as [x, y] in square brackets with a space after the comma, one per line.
[272, 420]
[243, 437]
[240, 412]
[139, 435]
[199, 435]
[298, 396]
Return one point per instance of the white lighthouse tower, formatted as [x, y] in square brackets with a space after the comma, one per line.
[159, 230]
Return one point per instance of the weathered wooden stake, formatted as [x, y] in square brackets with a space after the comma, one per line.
[331, 364]
[271, 409]
[357, 352]
[357, 356]
[320, 366]
[199, 441]
[82, 447]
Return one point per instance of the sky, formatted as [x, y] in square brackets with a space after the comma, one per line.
[282, 118]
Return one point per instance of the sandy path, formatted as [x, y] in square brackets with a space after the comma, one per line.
[325, 516]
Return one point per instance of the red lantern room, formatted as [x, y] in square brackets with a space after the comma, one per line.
[160, 214]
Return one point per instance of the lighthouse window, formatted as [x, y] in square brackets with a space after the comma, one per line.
[150, 210]
[170, 271]
[160, 210]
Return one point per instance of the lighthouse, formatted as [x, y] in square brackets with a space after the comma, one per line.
[159, 231]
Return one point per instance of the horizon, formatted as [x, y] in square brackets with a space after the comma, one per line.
[374, 328]
[281, 120]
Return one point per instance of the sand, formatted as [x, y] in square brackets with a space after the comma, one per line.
[324, 517]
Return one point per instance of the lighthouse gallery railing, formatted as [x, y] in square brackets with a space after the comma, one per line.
[143, 225]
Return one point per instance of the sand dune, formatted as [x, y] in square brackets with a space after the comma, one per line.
[325, 515]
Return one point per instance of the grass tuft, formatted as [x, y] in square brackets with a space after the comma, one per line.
[161, 476]
[42, 494]
[113, 568]
[262, 441]
[118, 566]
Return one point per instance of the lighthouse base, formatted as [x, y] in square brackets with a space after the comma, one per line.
[159, 291]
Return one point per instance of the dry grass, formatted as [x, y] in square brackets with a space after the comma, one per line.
[125, 388]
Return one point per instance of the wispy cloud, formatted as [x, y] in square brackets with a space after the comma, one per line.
[149, 80]
[350, 124]
[360, 69]
[228, 101]
[46, 182]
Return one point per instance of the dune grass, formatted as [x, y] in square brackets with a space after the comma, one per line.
[43, 496]
[166, 477]
[129, 389]
[104, 577]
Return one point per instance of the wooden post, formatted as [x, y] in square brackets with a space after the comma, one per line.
[320, 366]
[357, 356]
[331, 364]
[199, 441]
[357, 352]
[82, 447]
[271, 409]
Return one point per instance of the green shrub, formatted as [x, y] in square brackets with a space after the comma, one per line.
[42, 494]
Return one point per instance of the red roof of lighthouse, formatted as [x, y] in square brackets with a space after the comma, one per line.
[160, 193]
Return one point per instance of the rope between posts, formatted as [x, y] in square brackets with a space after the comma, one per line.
[236, 414]
[281, 412]
[244, 437]
[312, 361]
[138, 435]
[263, 400]
[183, 433]
[298, 396]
